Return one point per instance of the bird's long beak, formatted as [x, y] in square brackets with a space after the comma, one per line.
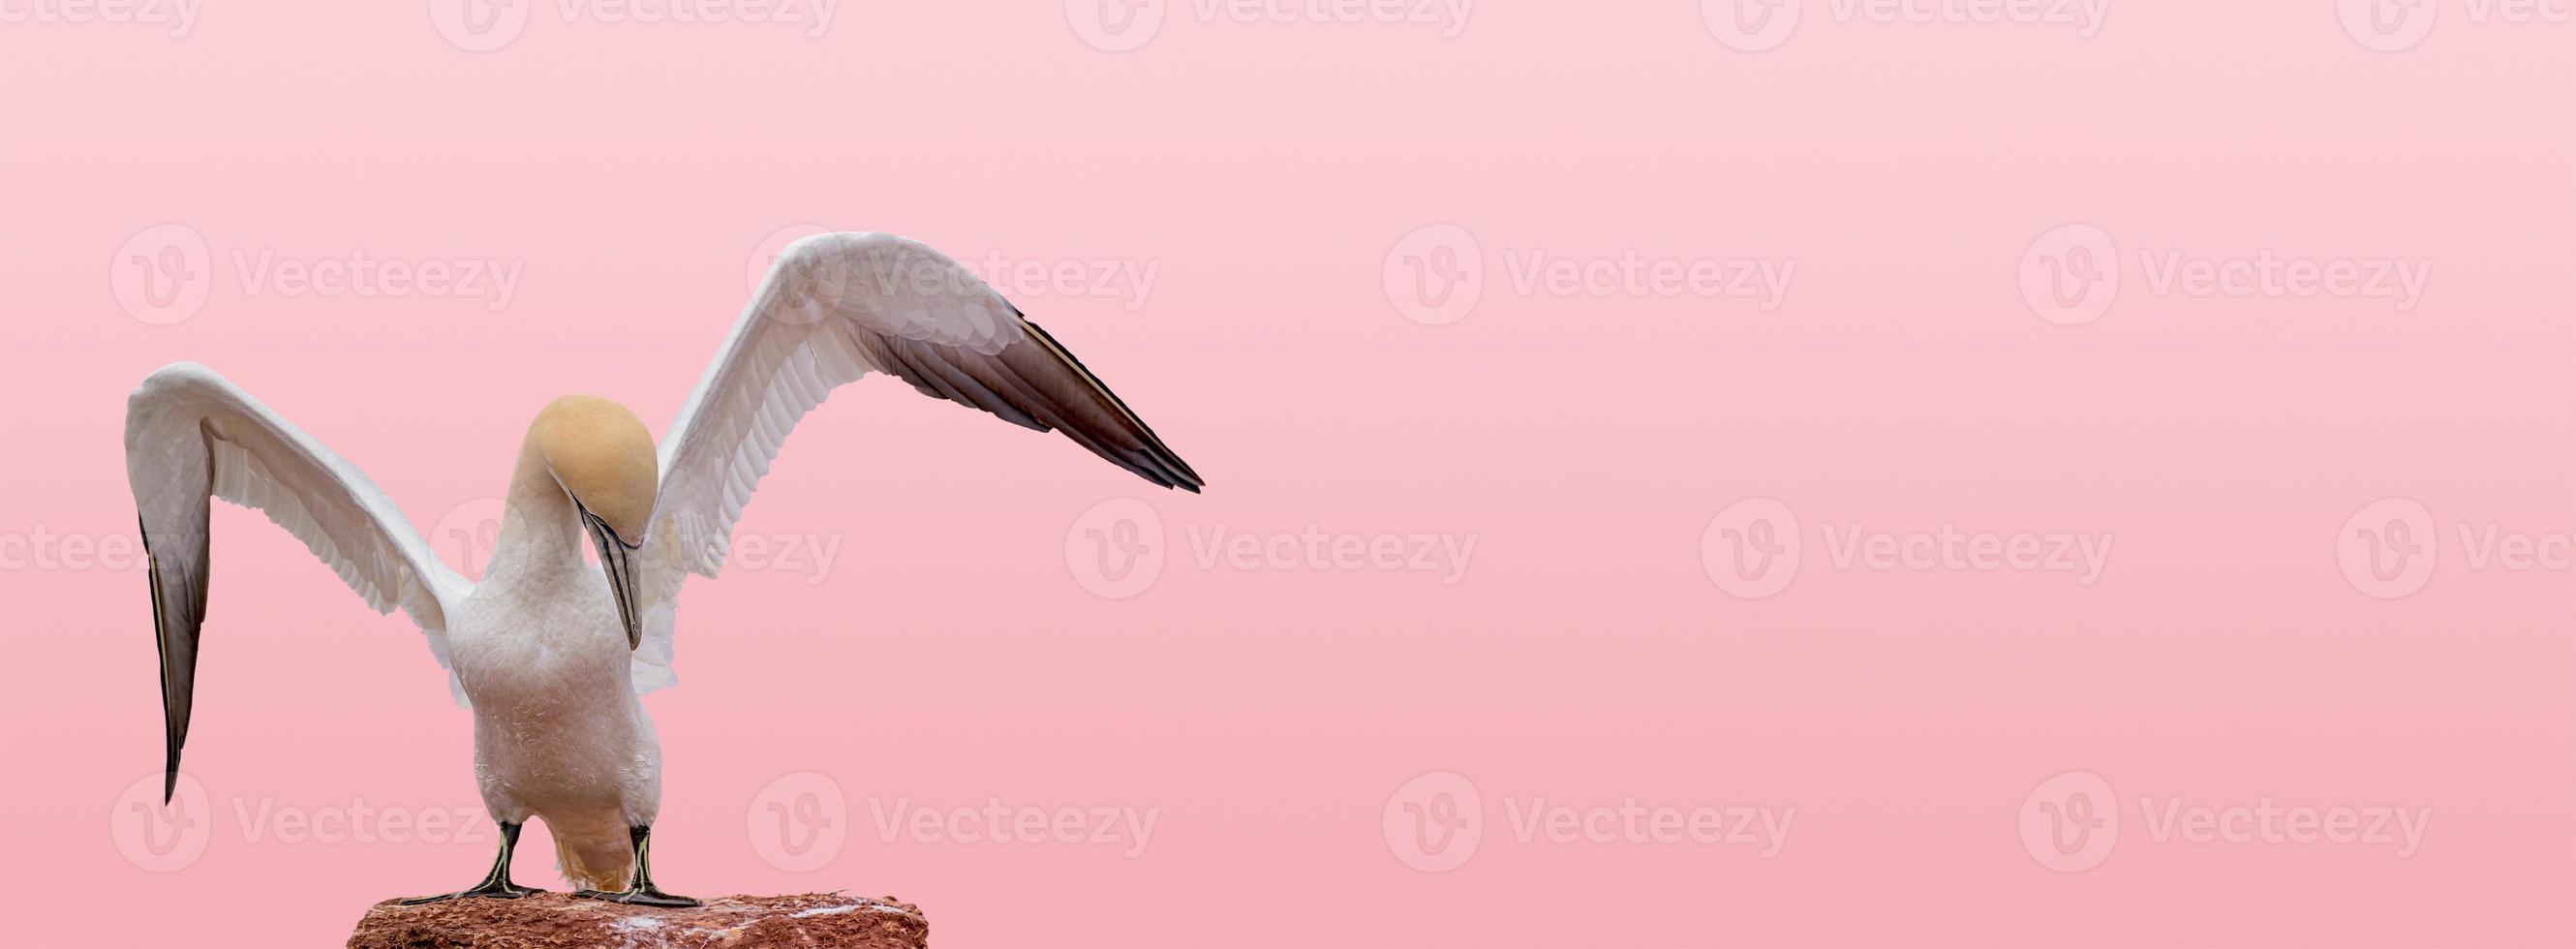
[617, 557]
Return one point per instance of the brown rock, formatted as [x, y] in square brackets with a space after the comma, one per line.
[559, 921]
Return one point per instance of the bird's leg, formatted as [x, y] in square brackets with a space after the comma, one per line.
[642, 892]
[496, 884]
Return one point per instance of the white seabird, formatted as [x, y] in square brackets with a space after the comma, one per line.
[549, 657]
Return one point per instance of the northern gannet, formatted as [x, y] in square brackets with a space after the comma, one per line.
[549, 658]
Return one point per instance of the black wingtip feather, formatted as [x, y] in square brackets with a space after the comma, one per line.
[1175, 473]
[1036, 384]
[173, 734]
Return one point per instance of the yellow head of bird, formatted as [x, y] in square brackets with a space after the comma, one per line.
[603, 456]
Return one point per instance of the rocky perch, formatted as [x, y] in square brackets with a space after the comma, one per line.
[558, 921]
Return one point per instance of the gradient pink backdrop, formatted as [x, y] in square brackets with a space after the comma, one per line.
[1265, 715]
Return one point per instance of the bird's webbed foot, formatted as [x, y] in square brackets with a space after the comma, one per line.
[639, 896]
[502, 890]
[641, 892]
[496, 884]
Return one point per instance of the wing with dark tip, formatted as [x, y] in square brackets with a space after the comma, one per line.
[836, 307]
[1033, 383]
[191, 437]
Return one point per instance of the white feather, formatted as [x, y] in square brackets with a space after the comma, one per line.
[790, 349]
[185, 419]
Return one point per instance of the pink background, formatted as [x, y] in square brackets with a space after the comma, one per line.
[1266, 713]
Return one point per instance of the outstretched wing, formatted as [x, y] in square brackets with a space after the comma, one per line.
[191, 436]
[833, 308]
